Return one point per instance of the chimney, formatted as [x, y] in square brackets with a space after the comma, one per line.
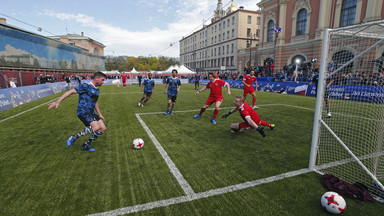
[82, 34]
[3, 20]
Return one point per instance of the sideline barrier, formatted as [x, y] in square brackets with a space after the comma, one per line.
[370, 94]
[12, 97]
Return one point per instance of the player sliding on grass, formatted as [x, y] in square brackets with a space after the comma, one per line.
[148, 88]
[88, 95]
[250, 117]
[248, 88]
[215, 96]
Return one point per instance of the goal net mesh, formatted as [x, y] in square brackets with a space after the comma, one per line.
[351, 125]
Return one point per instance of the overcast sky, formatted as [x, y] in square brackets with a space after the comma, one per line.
[125, 27]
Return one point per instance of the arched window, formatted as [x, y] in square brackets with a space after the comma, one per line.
[348, 11]
[301, 22]
[271, 31]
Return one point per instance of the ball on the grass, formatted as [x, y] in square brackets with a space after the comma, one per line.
[333, 202]
[138, 143]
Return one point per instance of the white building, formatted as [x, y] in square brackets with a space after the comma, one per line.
[215, 46]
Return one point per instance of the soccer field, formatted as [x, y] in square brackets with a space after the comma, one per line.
[187, 166]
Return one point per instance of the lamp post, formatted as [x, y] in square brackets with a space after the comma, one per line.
[249, 44]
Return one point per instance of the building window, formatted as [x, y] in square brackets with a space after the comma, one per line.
[233, 20]
[219, 26]
[228, 22]
[224, 25]
[271, 31]
[249, 19]
[258, 21]
[233, 48]
[248, 32]
[219, 51]
[257, 32]
[233, 33]
[223, 50]
[301, 22]
[227, 48]
[348, 10]
[224, 36]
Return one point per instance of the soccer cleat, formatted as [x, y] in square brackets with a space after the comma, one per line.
[88, 148]
[70, 140]
[142, 105]
[329, 115]
[213, 121]
[272, 126]
[255, 107]
[170, 113]
[261, 131]
[139, 104]
[166, 112]
[197, 115]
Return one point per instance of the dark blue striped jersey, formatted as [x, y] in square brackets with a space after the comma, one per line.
[148, 85]
[173, 83]
[197, 77]
[88, 95]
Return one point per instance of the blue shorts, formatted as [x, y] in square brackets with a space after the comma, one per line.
[172, 97]
[87, 118]
[148, 94]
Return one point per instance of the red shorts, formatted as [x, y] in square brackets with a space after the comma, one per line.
[213, 99]
[246, 126]
[248, 91]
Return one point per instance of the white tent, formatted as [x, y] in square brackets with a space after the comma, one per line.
[170, 68]
[184, 70]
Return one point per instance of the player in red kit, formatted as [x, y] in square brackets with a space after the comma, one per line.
[124, 78]
[250, 117]
[216, 96]
[248, 88]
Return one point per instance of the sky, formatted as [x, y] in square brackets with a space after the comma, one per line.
[125, 27]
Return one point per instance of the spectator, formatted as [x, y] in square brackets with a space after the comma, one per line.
[12, 83]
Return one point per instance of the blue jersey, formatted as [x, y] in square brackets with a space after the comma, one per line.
[173, 83]
[148, 85]
[197, 77]
[88, 95]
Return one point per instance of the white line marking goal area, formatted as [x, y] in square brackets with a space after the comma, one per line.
[190, 194]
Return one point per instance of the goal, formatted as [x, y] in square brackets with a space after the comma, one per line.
[348, 130]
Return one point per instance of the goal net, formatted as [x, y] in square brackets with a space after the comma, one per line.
[348, 131]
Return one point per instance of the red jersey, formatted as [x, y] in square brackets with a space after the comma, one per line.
[216, 87]
[249, 80]
[246, 110]
[124, 78]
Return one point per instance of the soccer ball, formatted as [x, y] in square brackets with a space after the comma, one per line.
[333, 202]
[138, 143]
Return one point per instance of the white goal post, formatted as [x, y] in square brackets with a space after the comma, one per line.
[348, 129]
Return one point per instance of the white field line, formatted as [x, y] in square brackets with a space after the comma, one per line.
[3, 120]
[183, 183]
[196, 196]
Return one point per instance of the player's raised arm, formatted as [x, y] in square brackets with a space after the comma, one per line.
[65, 95]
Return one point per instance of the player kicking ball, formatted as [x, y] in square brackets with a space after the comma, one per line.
[94, 123]
[148, 87]
[216, 96]
[250, 117]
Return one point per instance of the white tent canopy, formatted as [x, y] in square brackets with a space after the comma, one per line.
[184, 70]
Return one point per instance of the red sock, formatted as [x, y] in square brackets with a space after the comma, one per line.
[215, 112]
[202, 110]
[265, 123]
[253, 101]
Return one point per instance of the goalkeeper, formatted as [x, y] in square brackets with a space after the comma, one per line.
[251, 118]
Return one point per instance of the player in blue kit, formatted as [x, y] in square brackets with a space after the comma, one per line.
[174, 86]
[148, 87]
[197, 82]
[94, 123]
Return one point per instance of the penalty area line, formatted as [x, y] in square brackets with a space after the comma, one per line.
[197, 196]
[179, 177]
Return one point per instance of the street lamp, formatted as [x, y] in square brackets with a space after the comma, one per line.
[249, 45]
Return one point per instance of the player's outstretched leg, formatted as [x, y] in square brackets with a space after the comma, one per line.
[261, 131]
[264, 123]
[200, 113]
[73, 138]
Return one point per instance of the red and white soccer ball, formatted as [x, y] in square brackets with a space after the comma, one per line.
[138, 143]
[333, 202]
